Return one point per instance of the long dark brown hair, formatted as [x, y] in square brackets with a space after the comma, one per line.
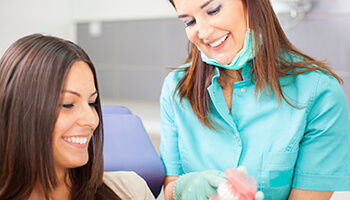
[32, 73]
[268, 65]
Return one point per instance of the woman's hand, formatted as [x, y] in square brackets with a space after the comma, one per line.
[298, 194]
[198, 185]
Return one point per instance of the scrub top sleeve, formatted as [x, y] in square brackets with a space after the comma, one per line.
[324, 153]
[169, 150]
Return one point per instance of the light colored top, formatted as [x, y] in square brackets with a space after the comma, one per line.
[128, 185]
[281, 146]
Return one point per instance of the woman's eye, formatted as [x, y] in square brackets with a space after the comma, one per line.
[67, 105]
[93, 105]
[189, 23]
[215, 11]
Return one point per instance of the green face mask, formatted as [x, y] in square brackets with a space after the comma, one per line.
[242, 57]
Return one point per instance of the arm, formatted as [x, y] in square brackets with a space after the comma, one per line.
[169, 140]
[127, 185]
[323, 160]
[169, 184]
[298, 194]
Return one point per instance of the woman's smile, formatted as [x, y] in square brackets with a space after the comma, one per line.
[76, 139]
[219, 43]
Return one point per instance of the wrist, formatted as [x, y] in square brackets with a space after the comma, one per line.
[174, 197]
[174, 187]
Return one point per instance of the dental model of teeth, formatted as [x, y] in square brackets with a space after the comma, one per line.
[239, 186]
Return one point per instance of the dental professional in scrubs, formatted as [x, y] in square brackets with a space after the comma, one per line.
[51, 134]
[247, 97]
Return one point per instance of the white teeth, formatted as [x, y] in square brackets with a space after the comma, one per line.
[226, 192]
[77, 140]
[218, 42]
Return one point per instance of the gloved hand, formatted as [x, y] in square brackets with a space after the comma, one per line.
[198, 185]
[238, 186]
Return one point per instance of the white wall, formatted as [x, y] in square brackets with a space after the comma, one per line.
[58, 17]
[23, 17]
[114, 10]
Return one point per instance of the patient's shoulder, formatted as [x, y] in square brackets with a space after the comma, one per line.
[127, 185]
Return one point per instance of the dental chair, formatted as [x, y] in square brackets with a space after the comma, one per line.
[115, 110]
[127, 147]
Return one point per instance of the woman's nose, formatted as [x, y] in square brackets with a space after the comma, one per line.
[204, 29]
[88, 117]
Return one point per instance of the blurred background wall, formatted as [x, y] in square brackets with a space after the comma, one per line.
[21, 17]
[133, 43]
[133, 54]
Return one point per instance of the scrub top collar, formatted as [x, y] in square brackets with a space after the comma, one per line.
[246, 72]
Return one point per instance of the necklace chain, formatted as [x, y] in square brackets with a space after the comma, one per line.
[228, 75]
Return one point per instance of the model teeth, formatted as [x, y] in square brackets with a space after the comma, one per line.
[76, 140]
[226, 192]
[218, 42]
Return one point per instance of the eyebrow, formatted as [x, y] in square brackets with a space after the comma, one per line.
[205, 4]
[202, 6]
[76, 93]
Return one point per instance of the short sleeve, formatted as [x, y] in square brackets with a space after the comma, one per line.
[169, 150]
[128, 185]
[324, 153]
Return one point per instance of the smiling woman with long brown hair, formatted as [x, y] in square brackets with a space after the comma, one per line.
[51, 132]
[247, 97]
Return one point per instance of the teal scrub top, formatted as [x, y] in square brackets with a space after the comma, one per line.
[281, 146]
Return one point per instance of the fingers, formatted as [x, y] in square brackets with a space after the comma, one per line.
[215, 181]
[221, 174]
[242, 169]
[210, 191]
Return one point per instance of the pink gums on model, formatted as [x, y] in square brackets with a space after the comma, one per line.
[239, 186]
